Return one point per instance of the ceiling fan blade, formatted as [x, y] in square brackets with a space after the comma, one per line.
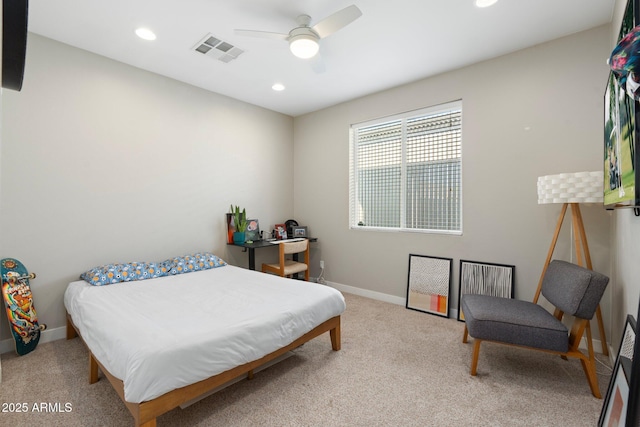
[262, 34]
[338, 20]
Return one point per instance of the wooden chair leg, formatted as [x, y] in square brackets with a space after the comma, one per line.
[476, 353]
[465, 335]
[589, 367]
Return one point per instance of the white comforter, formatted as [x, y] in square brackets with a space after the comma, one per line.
[160, 334]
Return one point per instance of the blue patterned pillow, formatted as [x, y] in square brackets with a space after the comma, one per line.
[116, 273]
[194, 262]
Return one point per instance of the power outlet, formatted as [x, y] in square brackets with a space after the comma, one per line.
[322, 264]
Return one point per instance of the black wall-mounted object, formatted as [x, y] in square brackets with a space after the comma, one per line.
[14, 42]
[621, 134]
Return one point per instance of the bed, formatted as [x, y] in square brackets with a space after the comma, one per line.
[181, 332]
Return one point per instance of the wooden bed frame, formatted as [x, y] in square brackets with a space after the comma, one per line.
[145, 413]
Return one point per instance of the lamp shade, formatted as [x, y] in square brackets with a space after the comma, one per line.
[577, 187]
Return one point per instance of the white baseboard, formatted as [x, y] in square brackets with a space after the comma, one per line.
[7, 346]
[369, 294]
[597, 346]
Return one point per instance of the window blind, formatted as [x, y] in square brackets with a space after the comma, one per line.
[405, 172]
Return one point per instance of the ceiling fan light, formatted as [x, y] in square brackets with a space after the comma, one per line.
[304, 46]
[485, 3]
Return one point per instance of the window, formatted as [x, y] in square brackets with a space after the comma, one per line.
[405, 171]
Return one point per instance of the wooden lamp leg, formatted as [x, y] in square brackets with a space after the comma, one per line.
[580, 242]
[551, 249]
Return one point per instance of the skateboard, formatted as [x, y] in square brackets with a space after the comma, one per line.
[18, 302]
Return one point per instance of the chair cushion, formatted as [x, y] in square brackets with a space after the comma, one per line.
[292, 267]
[514, 322]
[573, 289]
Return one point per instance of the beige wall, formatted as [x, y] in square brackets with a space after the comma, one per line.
[554, 89]
[103, 162]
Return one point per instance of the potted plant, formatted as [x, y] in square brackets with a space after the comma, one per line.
[240, 223]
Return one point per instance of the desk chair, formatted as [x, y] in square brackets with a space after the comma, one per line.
[288, 267]
[572, 289]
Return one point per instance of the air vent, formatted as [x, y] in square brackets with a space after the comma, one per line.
[215, 48]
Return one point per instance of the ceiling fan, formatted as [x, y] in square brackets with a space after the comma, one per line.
[304, 39]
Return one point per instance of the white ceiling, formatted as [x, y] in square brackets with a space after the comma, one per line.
[394, 42]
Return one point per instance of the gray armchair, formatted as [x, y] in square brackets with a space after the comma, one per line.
[572, 289]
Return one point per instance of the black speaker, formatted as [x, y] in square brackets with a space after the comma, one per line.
[290, 223]
[14, 42]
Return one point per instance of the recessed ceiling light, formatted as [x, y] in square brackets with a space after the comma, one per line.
[485, 3]
[145, 33]
[278, 87]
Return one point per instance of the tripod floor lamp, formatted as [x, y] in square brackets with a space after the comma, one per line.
[573, 189]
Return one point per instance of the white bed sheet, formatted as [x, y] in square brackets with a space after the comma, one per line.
[160, 334]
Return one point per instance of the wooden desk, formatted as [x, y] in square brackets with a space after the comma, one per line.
[258, 244]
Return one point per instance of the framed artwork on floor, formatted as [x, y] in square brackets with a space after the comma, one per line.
[633, 409]
[615, 405]
[429, 284]
[484, 278]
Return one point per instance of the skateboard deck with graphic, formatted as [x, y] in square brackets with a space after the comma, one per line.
[18, 302]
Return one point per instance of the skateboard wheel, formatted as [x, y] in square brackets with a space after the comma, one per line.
[32, 276]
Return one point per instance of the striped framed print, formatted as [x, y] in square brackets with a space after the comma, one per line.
[429, 284]
[485, 278]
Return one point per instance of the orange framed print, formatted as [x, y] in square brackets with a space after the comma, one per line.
[429, 284]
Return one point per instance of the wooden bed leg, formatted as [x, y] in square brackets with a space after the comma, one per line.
[250, 375]
[335, 338]
[151, 423]
[93, 370]
[71, 331]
